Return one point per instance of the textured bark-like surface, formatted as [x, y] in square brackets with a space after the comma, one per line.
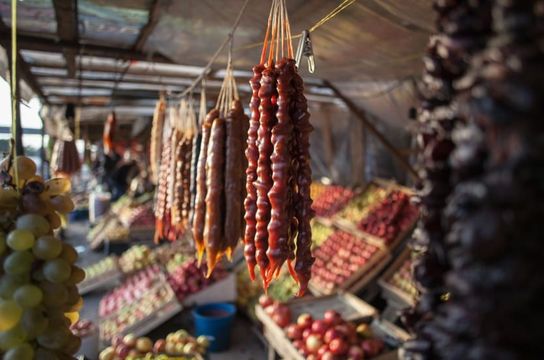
[497, 205]
[463, 29]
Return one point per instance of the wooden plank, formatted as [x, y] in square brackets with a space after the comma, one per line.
[391, 292]
[31, 42]
[147, 30]
[372, 129]
[67, 30]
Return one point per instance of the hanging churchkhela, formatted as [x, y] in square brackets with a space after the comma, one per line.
[217, 223]
[157, 130]
[173, 196]
[278, 175]
[463, 29]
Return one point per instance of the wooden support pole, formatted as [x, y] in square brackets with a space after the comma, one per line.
[372, 129]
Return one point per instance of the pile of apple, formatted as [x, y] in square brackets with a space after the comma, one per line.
[320, 233]
[100, 268]
[338, 258]
[39, 298]
[140, 216]
[331, 200]
[390, 217]
[402, 279]
[134, 288]
[176, 344]
[82, 328]
[188, 278]
[136, 311]
[360, 205]
[136, 258]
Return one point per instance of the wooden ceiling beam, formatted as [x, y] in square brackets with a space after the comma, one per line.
[51, 45]
[147, 30]
[67, 30]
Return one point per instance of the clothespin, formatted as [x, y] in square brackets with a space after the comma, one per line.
[305, 48]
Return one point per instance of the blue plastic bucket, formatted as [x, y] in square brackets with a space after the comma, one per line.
[214, 321]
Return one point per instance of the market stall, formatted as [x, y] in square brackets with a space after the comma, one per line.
[244, 181]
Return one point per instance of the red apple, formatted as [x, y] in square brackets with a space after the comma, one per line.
[372, 347]
[331, 317]
[265, 301]
[305, 320]
[159, 346]
[355, 353]
[313, 343]
[338, 346]
[332, 334]
[328, 356]
[294, 332]
[306, 332]
[319, 327]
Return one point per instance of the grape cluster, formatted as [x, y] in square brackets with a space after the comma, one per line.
[39, 299]
[463, 28]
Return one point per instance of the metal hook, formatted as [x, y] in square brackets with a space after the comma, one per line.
[305, 48]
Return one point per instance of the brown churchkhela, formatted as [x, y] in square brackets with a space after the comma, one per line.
[279, 153]
[201, 189]
[235, 125]
[252, 156]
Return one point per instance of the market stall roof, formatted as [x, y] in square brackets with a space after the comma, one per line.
[102, 54]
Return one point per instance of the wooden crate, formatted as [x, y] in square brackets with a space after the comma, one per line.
[390, 292]
[358, 311]
[362, 276]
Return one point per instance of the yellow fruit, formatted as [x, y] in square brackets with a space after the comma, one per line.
[8, 197]
[57, 186]
[62, 203]
[73, 316]
[54, 220]
[26, 168]
[34, 205]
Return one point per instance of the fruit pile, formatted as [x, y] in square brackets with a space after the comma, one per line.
[329, 338]
[360, 205]
[148, 303]
[390, 217]
[39, 298]
[402, 279]
[340, 256]
[136, 258]
[176, 344]
[320, 233]
[140, 216]
[189, 278]
[134, 288]
[330, 200]
[104, 266]
[82, 328]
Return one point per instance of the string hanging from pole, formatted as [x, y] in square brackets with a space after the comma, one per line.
[14, 100]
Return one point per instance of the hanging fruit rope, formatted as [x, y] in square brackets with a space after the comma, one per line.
[218, 224]
[278, 174]
[157, 130]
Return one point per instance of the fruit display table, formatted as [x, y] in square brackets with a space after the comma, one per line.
[335, 326]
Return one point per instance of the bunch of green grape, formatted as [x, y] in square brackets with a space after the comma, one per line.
[39, 299]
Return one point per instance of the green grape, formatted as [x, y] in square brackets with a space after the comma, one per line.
[57, 270]
[8, 285]
[20, 239]
[54, 337]
[54, 295]
[33, 222]
[2, 243]
[11, 338]
[21, 352]
[68, 253]
[28, 295]
[72, 345]
[34, 322]
[18, 262]
[77, 275]
[47, 247]
[10, 314]
[44, 354]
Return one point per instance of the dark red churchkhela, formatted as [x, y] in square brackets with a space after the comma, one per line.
[252, 156]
